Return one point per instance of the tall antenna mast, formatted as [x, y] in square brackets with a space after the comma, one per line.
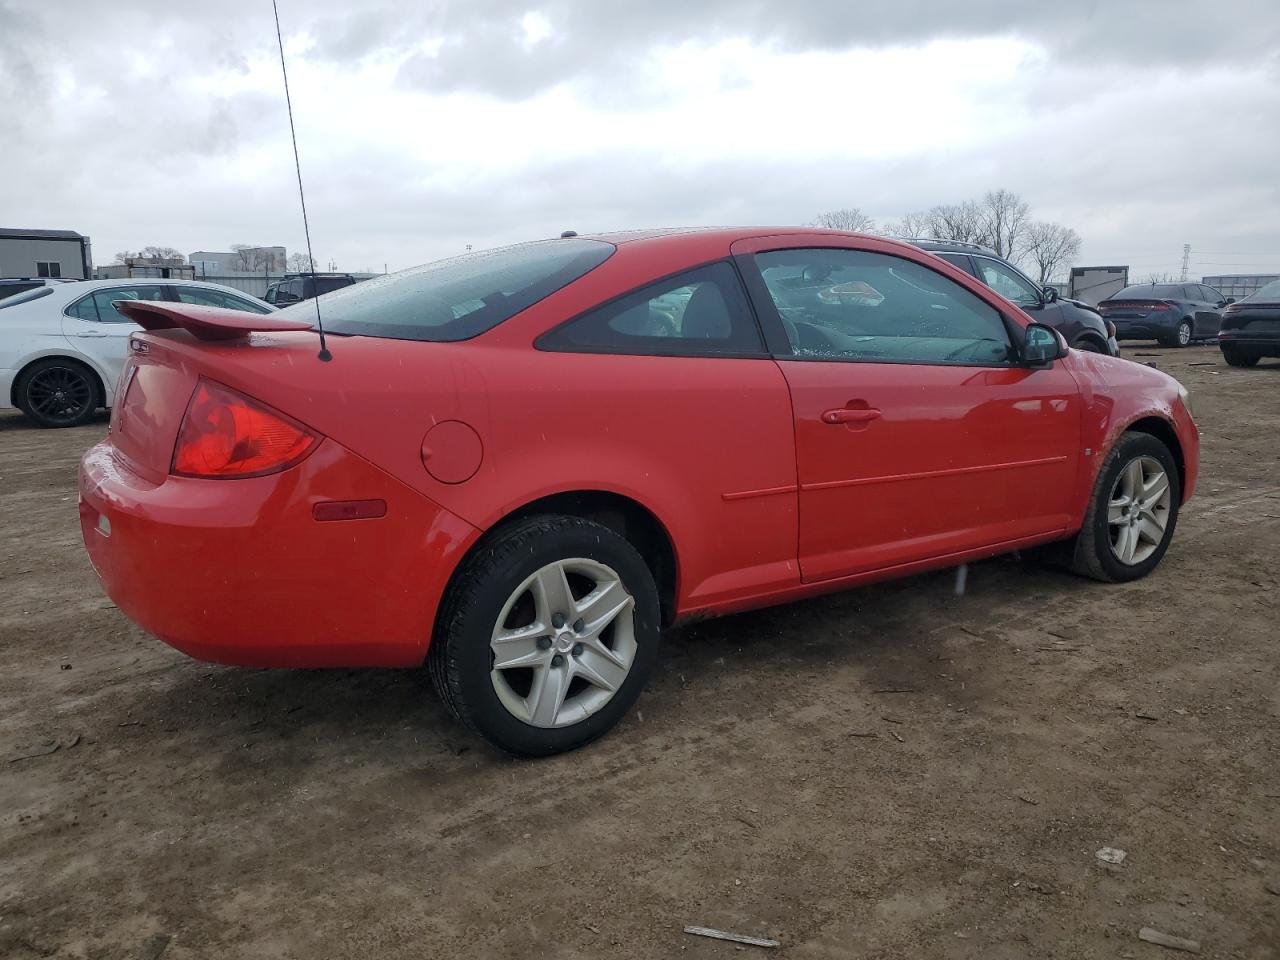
[297, 164]
[1186, 253]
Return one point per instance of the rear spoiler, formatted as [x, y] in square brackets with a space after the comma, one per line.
[204, 323]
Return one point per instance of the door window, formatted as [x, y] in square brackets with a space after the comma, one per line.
[856, 305]
[98, 306]
[960, 260]
[1008, 283]
[217, 298]
[703, 311]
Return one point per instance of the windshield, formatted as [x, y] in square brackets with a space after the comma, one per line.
[1269, 292]
[456, 299]
[1145, 291]
[25, 297]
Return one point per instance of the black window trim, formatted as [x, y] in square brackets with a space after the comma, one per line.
[765, 353]
[780, 344]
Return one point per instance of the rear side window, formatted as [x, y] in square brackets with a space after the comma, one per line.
[216, 298]
[323, 285]
[696, 313]
[98, 306]
[460, 298]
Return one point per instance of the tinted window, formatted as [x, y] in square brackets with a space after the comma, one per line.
[1210, 295]
[323, 285]
[1269, 292]
[854, 305]
[1147, 291]
[217, 298]
[13, 289]
[960, 260]
[459, 298]
[1008, 283]
[703, 311]
[27, 295]
[98, 306]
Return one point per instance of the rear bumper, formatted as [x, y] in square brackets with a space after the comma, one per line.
[1259, 339]
[239, 571]
[1144, 329]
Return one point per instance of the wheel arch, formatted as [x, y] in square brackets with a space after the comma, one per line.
[1163, 431]
[1093, 338]
[98, 382]
[626, 516]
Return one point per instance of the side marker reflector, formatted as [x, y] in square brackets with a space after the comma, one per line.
[349, 510]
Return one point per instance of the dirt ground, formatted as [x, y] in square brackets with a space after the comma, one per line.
[774, 780]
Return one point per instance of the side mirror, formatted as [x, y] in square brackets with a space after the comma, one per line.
[1050, 294]
[1228, 301]
[1043, 345]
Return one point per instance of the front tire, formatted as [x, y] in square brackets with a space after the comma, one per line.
[1239, 357]
[1088, 345]
[547, 635]
[1132, 513]
[56, 392]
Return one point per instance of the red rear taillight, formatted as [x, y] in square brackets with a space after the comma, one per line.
[225, 434]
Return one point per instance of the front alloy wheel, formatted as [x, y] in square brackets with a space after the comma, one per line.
[1133, 511]
[546, 635]
[1138, 510]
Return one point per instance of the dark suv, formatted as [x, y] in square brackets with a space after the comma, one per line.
[297, 287]
[1082, 325]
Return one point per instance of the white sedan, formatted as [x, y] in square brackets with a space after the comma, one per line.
[62, 347]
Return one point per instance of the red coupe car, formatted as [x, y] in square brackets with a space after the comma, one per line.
[519, 465]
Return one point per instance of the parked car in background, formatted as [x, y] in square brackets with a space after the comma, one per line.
[62, 346]
[1082, 325]
[1251, 327]
[522, 463]
[303, 286]
[1176, 314]
[11, 287]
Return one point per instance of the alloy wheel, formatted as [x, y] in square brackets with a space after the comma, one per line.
[59, 395]
[1184, 333]
[563, 643]
[1138, 510]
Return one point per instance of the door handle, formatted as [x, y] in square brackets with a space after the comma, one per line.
[91, 333]
[850, 415]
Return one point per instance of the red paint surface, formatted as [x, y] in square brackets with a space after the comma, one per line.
[763, 500]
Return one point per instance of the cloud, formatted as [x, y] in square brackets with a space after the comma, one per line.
[424, 128]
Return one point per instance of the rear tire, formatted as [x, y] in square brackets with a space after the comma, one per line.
[1131, 517]
[58, 392]
[1182, 335]
[1088, 345]
[1240, 357]
[566, 682]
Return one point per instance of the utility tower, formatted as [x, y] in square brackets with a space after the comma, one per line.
[1186, 260]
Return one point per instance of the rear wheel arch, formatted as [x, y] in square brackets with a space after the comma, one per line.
[1163, 431]
[629, 518]
[1090, 341]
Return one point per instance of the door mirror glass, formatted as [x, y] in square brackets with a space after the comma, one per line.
[1043, 345]
[1050, 294]
[1227, 302]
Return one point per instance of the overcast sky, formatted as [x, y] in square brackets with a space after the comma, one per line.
[425, 126]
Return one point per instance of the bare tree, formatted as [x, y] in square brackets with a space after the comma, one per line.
[850, 218]
[156, 253]
[1049, 247]
[300, 263]
[1159, 278]
[956, 221]
[1004, 218]
[912, 225]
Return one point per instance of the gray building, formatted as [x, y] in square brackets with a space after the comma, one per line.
[45, 253]
[1240, 284]
[251, 260]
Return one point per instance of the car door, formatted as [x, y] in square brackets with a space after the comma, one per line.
[1210, 307]
[99, 331]
[919, 434]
